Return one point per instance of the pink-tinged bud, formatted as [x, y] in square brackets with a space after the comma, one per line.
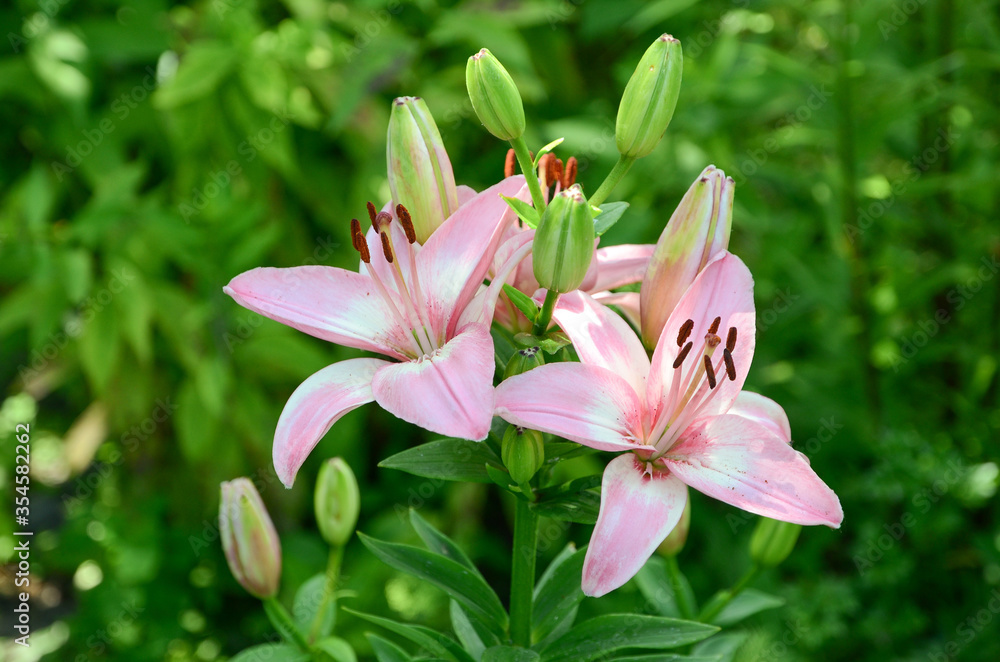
[420, 174]
[337, 502]
[696, 232]
[674, 543]
[249, 539]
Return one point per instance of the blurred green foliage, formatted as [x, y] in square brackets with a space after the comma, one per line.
[153, 150]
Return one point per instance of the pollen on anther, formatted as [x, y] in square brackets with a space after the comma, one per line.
[710, 372]
[356, 235]
[362, 247]
[715, 325]
[404, 219]
[731, 339]
[683, 355]
[684, 332]
[558, 170]
[386, 248]
[545, 168]
[508, 164]
[371, 211]
[727, 356]
[569, 173]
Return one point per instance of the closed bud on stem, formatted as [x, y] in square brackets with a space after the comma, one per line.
[523, 360]
[650, 98]
[564, 242]
[337, 502]
[249, 539]
[674, 543]
[494, 96]
[523, 452]
[772, 541]
[697, 231]
[420, 174]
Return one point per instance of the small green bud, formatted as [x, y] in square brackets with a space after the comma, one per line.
[494, 96]
[772, 541]
[420, 174]
[523, 452]
[564, 242]
[674, 543]
[650, 98]
[337, 502]
[249, 539]
[524, 360]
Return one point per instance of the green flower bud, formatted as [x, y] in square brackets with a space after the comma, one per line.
[494, 96]
[772, 541]
[674, 543]
[420, 174]
[650, 98]
[523, 360]
[337, 502]
[249, 539]
[564, 242]
[523, 452]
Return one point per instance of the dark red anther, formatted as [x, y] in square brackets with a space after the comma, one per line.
[727, 356]
[356, 234]
[569, 173]
[683, 355]
[386, 248]
[404, 219]
[509, 163]
[715, 325]
[710, 371]
[545, 168]
[371, 211]
[557, 171]
[684, 332]
[731, 339]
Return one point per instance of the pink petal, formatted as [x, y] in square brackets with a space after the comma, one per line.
[379, 264]
[602, 338]
[480, 310]
[449, 392]
[746, 465]
[762, 410]
[315, 406]
[618, 265]
[583, 403]
[626, 302]
[723, 289]
[638, 510]
[454, 261]
[330, 303]
[465, 193]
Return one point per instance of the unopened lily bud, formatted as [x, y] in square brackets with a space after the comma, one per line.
[249, 539]
[523, 452]
[494, 96]
[674, 543]
[420, 174]
[772, 541]
[337, 502]
[523, 360]
[564, 242]
[697, 231]
[650, 98]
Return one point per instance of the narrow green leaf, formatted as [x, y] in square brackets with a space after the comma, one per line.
[523, 302]
[308, 600]
[472, 632]
[509, 654]
[653, 580]
[545, 150]
[466, 586]
[550, 342]
[559, 594]
[446, 459]
[610, 213]
[524, 211]
[573, 502]
[605, 634]
[434, 642]
[438, 542]
[336, 650]
[668, 657]
[746, 604]
[272, 653]
[722, 647]
[385, 650]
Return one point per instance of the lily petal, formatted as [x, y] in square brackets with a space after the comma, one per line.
[762, 410]
[638, 510]
[481, 308]
[626, 302]
[454, 261]
[615, 266]
[315, 406]
[466, 193]
[746, 465]
[381, 266]
[583, 403]
[602, 338]
[723, 289]
[449, 392]
[334, 304]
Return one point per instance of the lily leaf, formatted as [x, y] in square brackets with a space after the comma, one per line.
[610, 213]
[550, 342]
[545, 150]
[558, 593]
[523, 302]
[434, 642]
[745, 605]
[572, 502]
[524, 211]
[600, 636]
[509, 654]
[385, 650]
[447, 459]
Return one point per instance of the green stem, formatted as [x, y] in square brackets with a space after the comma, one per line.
[524, 160]
[329, 591]
[284, 624]
[677, 584]
[522, 582]
[611, 181]
[723, 598]
[545, 314]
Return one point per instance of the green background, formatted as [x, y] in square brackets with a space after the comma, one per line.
[152, 150]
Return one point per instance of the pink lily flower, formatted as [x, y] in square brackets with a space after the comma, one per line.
[682, 416]
[422, 307]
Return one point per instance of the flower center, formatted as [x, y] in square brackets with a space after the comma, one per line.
[406, 303]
